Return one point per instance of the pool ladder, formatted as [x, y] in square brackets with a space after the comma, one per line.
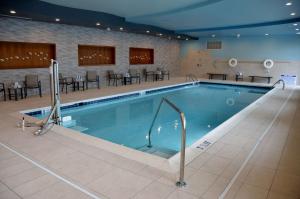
[191, 77]
[280, 80]
[180, 182]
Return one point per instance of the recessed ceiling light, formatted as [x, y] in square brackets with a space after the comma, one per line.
[12, 12]
[238, 35]
[293, 14]
[289, 4]
[187, 39]
[147, 31]
[295, 24]
[108, 29]
[121, 28]
[178, 37]
[98, 24]
[57, 19]
[267, 34]
[297, 29]
[298, 33]
[213, 35]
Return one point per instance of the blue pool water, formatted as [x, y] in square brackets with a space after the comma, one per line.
[127, 121]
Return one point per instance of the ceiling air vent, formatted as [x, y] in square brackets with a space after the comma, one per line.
[214, 45]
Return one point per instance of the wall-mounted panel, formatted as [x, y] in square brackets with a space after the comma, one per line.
[141, 56]
[21, 55]
[89, 55]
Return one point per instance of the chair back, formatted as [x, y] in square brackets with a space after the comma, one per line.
[91, 75]
[110, 73]
[132, 72]
[32, 81]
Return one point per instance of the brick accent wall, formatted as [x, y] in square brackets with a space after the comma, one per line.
[67, 38]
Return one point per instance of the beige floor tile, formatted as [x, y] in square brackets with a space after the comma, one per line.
[57, 191]
[35, 185]
[216, 188]
[5, 154]
[199, 183]
[119, 183]
[260, 176]
[286, 184]
[229, 151]
[150, 172]
[216, 164]
[181, 195]
[233, 190]
[200, 160]
[289, 165]
[215, 148]
[8, 194]
[15, 169]
[251, 192]
[155, 190]
[276, 195]
[3, 187]
[23, 177]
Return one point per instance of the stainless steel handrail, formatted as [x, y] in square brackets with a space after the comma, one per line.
[191, 77]
[181, 182]
[280, 80]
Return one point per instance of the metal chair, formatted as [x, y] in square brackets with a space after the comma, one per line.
[65, 82]
[2, 90]
[111, 75]
[164, 73]
[148, 73]
[134, 74]
[92, 77]
[32, 82]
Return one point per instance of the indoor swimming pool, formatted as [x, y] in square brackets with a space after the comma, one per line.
[126, 119]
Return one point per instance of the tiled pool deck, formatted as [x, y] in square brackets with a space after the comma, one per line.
[272, 172]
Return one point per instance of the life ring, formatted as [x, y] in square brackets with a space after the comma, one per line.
[230, 101]
[268, 63]
[233, 62]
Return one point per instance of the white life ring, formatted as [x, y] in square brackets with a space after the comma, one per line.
[230, 101]
[233, 62]
[268, 63]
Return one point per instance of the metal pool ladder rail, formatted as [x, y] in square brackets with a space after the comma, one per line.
[280, 80]
[191, 77]
[181, 182]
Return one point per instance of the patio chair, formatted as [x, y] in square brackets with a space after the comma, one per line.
[163, 73]
[134, 74]
[32, 82]
[2, 90]
[148, 73]
[111, 75]
[92, 77]
[65, 82]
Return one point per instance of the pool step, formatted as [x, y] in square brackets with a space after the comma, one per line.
[78, 128]
[73, 125]
[159, 151]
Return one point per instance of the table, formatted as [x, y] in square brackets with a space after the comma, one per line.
[127, 80]
[78, 84]
[211, 75]
[15, 92]
[261, 77]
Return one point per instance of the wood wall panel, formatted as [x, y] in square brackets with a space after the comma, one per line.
[96, 55]
[21, 55]
[141, 56]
